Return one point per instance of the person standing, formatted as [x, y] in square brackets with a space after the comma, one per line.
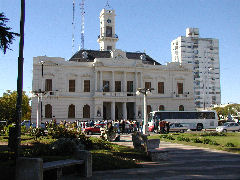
[167, 126]
[161, 124]
[123, 126]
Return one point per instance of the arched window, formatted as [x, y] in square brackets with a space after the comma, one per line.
[71, 111]
[86, 111]
[181, 108]
[48, 111]
[149, 109]
[161, 108]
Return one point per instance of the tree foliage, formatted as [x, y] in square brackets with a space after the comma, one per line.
[8, 106]
[231, 109]
[6, 36]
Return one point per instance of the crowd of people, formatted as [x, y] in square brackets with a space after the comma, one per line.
[162, 127]
[120, 126]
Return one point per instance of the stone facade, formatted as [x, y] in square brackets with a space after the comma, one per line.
[109, 105]
[102, 84]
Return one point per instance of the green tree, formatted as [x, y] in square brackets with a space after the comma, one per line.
[232, 109]
[8, 106]
[6, 36]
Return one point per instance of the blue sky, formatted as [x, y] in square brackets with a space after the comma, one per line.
[148, 25]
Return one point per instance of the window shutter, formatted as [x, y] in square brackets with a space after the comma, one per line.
[86, 85]
[71, 85]
[160, 87]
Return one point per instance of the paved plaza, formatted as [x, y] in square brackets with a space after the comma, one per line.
[185, 162]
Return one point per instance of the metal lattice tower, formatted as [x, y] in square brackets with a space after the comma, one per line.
[82, 24]
[73, 26]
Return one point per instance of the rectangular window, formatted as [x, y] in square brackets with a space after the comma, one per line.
[147, 85]
[109, 48]
[48, 85]
[117, 86]
[86, 85]
[71, 85]
[180, 88]
[109, 31]
[130, 86]
[105, 86]
[160, 87]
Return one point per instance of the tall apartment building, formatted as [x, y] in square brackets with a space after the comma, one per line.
[203, 54]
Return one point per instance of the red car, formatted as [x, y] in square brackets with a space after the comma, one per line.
[92, 130]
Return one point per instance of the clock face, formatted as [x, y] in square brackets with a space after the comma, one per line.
[109, 21]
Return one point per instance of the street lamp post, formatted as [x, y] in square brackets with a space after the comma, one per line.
[39, 95]
[144, 91]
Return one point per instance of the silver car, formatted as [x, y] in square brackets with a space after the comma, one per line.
[228, 126]
[177, 127]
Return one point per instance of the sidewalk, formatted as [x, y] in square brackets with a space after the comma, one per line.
[185, 162]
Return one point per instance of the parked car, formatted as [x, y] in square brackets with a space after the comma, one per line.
[228, 126]
[92, 130]
[34, 125]
[26, 123]
[177, 127]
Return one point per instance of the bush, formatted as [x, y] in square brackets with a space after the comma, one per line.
[6, 129]
[38, 149]
[101, 144]
[229, 144]
[60, 131]
[206, 141]
[196, 140]
[213, 134]
[170, 137]
[66, 146]
[86, 141]
[164, 136]
[36, 132]
[181, 138]
[24, 130]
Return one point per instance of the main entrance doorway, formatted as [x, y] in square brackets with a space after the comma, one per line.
[130, 111]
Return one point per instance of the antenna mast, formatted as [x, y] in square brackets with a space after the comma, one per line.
[73, 26]
[82, 24]
[107, 5]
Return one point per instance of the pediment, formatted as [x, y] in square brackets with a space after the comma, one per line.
[118, 54]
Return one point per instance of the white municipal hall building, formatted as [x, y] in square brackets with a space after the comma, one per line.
[101, 85]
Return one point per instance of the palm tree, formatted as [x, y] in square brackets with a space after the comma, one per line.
[6, 36]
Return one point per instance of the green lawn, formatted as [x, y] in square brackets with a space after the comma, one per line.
[221, 141]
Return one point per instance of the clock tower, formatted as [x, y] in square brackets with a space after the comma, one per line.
[107, 38]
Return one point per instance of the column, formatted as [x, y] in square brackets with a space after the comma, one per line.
[101, 82]
[113, 111]
[141, 80]
[145, 125]
[136, 81]
[96, 80]
[124, 81]
[113, 82]
[124, 109]
[135, 110]
[38, 124]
